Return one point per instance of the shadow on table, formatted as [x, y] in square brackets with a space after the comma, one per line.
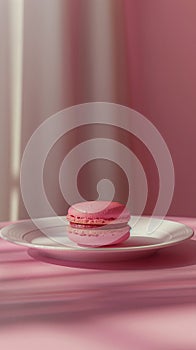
[71, 298]
[181, 255]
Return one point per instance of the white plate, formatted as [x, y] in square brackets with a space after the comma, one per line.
[52, 239]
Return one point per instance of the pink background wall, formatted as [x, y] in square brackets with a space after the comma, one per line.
[137, 53]
[162, 70]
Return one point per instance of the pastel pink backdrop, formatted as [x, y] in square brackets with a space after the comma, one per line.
[136, 53]
[162, 75]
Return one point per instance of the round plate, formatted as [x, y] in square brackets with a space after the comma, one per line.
[52, 240]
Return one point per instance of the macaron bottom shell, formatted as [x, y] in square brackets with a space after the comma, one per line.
[98, 237]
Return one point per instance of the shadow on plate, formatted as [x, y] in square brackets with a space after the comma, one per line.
[180, 255]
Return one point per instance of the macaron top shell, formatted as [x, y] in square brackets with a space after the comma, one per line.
[98, 212]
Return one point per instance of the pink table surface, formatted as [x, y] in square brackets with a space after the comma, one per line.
[148, 304]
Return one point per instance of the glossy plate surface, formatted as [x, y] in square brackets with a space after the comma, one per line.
[48, 235]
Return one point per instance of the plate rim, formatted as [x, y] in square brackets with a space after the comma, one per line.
[123, 249]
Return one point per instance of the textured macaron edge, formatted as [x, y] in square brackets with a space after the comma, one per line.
[98, 213]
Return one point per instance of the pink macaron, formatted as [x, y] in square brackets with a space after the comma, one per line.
[98, 223]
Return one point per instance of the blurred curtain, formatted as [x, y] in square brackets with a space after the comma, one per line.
[55, 53]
